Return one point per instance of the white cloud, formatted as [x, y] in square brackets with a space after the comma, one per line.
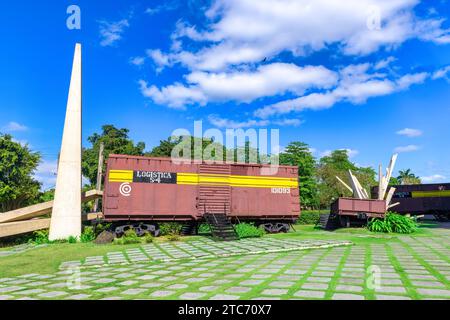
[407, 80]
[246, 86]
[175, 96]
[168, 6]
[408, 148]
[441, 73]
[239, 31]
[160, 59]
[23, 143]
[288, 122]
[137, 61]
[111, 32]
[46, 174]
[383, 64]
[356, 84]
[231, 124]
[350, 152]
[410, 132]
[433, 178]
[14, 127]
[224, 123]
[223, 56]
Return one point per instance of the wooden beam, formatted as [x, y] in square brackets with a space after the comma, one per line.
[99, 173]
[389, 171]
[42, 208]
[92, 216]
[390, 195]
[344, 184]
[20, 227]
[380, 183]
[393, 205]
[356, 190]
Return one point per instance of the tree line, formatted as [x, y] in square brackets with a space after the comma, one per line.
[317, 177]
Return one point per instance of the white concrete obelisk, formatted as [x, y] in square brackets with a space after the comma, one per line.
[66, 214]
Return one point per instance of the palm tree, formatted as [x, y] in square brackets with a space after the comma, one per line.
[407, 177]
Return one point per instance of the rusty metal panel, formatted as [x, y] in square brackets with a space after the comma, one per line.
[351, 206]
[145, 188]
[273, 198]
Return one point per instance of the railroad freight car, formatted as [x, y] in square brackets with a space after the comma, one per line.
[421, 199]
[140, 192]
[357, 211]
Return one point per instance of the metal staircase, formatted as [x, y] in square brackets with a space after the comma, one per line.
[214, 200]
[221, 226]
[328, 222]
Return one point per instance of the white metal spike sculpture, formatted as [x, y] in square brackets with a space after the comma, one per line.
[66, 214]
[383, 182]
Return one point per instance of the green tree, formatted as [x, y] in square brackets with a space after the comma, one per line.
[298, 154]
[116, 141]
[394, 181]
[407, 177]
[338, 164]
[18, 163]
[165, 148]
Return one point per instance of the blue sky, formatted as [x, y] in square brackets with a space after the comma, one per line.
[364, 75]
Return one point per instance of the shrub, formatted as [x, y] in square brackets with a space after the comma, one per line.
[379, 225]
[204, 228]
[400, 223]
[130, 237]
[173, 237]
[247, 230]
[170, 228]
[40, 237]
[309, 217]
[72, 239]
[393, 223]
[147, 238]
[88, 235]
[99, 228]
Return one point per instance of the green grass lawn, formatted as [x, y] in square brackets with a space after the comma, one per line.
[49, 258]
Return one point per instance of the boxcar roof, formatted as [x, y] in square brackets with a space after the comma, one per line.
[170, 159]
[414, 186]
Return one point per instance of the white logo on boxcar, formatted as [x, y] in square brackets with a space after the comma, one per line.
[125, 189]
[281, 190]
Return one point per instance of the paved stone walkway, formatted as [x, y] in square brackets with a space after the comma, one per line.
[203, 248]
[409, 268]
[19, 249]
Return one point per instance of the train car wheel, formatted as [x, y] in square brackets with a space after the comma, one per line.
[344, 221]
[276, 227]
[140, 228]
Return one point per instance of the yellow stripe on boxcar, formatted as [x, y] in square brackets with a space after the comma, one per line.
[121, 176]
[216, 179]
[187, 178]
[429, 194]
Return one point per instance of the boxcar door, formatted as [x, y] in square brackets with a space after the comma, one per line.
[214, 191]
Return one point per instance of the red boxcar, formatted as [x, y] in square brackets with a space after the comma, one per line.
[350, 209]
[157, 189]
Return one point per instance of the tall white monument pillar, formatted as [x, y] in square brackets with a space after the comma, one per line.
[66, 214]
